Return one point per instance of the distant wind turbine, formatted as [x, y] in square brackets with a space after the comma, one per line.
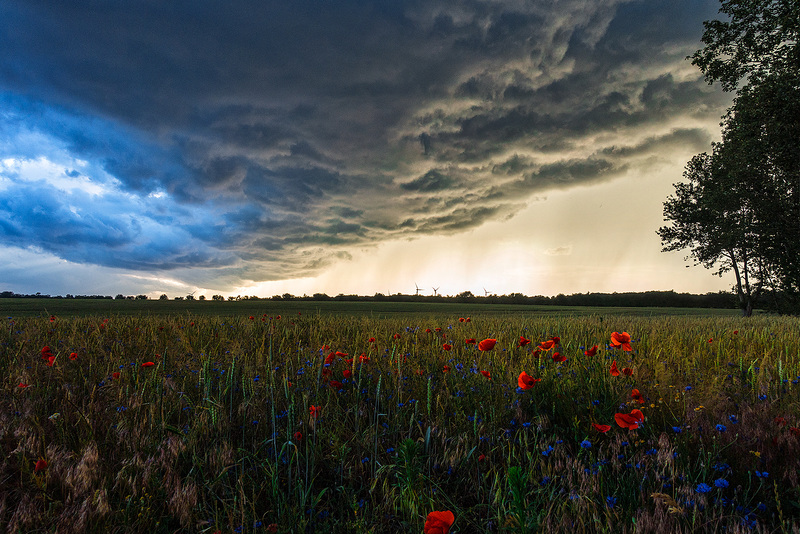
[485, 292]
[435, 291]
[418, 288]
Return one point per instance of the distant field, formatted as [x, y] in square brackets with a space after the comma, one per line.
[26, 307]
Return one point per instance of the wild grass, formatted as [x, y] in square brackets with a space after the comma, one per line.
[219, 435]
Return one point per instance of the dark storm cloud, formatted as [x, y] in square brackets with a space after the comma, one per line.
[278, 135]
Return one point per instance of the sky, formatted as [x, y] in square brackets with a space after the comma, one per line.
[265, 147]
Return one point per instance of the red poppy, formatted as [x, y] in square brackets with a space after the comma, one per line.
[470, 341]
[780, 420]
[340, 354]
[482, 457]
[631, 420]
[22, 385]
[428, 331]
[438, 329]
[735, 332]
[323, 348]
[526, 381]
[52, 318]
[487, 344]
[487, 374]
[396, 336]
[371, 340]
[115, 375]
[461, 319]
[621, 340]
[536, 353]
[252, 318]
[711, 340]
[73, 356]
[523, 341]
[795, 431]
[446, 369]
[335, 384]
[363, 358]
[591, 352]
[278, 317]
[349, 362]
[627, 371]
[41, 465]
[148, 364]
[420, 372]
[329, 359]
[635, 395]
[447, 346]
[298, 436]
[601, 428]
[46, 352]
[272, 528]
[558, 357]
[347, 373]
[614, 371]
[50, 361]
[468, 320]
[314, 411]
[547, 345]
[326, 372]
[439, 522]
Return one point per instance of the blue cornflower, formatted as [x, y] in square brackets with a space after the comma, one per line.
[611, 501]
[676, 429]
[586, 444]
[721, 483]
[703, 488]
[733, 419]
[688, 388]
[721, 428]
[762, 474]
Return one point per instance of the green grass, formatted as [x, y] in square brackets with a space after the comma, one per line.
[30, 307]
[217, 435]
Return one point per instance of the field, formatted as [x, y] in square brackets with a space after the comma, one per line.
[345, 419]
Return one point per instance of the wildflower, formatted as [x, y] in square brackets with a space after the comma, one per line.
[558, 357]
[439, 522]
[630, 421]
[525, 381]
[22, 385]
[614, 371]
[586, 444]
[470, 341]
[347, 373]
[148, 364]
[446, 369]
[447, 346]
[487, 344]
[50, 361]
[487, 374]
[611, 501]
[272, 528]
[621, 340]
[601, 428]
[635, 395]
[591, 352]
[314, 411]
[703, 488]
[335, 384]
[676, 429]
[721, 483]
[523, 341]
[547, 345]
[721, 428]
[627, 371]
[395, 336]
[73, 356]
[115, 375]
[762, 474]
[371, 340]
[41, 465]
[363, 358]
[482, 458]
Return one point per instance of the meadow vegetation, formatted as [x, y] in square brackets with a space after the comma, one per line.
[351, 423]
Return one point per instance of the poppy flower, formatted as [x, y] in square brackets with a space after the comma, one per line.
[461, 319]
[41, 465]
[482, 458]
[326, 372]
[523, 341]
[780, 420]
[438, 329]
[447, 346]
[591, 352]
[363, 358]
[614, 371]
[795, 431]
[73, 356]
[487, 344]
[446, 369]
[115, 375]
[347, 373]
[371, 340]
[340, 354]
[272, 528]
[526, 381]
[420, 372]
[428, 331]
[536, 353]
[52, 318]
[314, 411]
[335, 384]
[22, 385]
[439, 522]
[148, 364]
[50, 361]
[487, 374]
[252, 318]
[601, 428]
[329, 359]
[349, 362]
[470, 341]
[298, 436]
[323, 348]
[635, 395]
[547, 345]
[558, 357]
[395, 336]
[631, 420]
[621, 340]
[627, 371]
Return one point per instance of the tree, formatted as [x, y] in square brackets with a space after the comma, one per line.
[740, 209]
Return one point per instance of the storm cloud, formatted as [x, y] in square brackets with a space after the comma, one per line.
[266, 140]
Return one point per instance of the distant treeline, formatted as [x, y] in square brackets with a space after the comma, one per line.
[666, 299]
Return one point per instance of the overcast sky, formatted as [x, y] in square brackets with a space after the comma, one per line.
[348, 146]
